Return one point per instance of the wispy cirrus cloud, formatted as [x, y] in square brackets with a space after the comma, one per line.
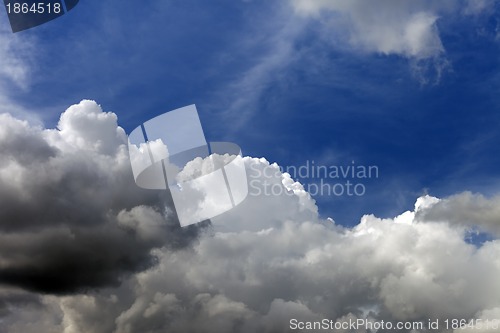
[16, 66]
[14, 69]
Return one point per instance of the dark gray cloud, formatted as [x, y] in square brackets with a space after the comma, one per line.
[71, 216]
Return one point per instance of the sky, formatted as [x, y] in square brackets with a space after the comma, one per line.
[408, 87]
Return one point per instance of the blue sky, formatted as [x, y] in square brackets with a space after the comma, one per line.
[287, 87]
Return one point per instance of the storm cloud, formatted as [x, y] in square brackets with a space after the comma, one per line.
[69, 206]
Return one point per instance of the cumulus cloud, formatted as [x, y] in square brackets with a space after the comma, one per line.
[466, 209]
[69, 209]
[388, 269]
[74, 219]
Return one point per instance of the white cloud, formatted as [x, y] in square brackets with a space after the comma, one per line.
[269, 260]
[404, 28]
[466, 209]
[87, 127]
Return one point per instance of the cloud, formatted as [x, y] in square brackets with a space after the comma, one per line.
[69, 208]
[14, 69]
[475, 7]
[466, 209]
[29, 313]
[396, 269]
[272, 43]
[73, 219]
[403, 28]
[409, 29]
